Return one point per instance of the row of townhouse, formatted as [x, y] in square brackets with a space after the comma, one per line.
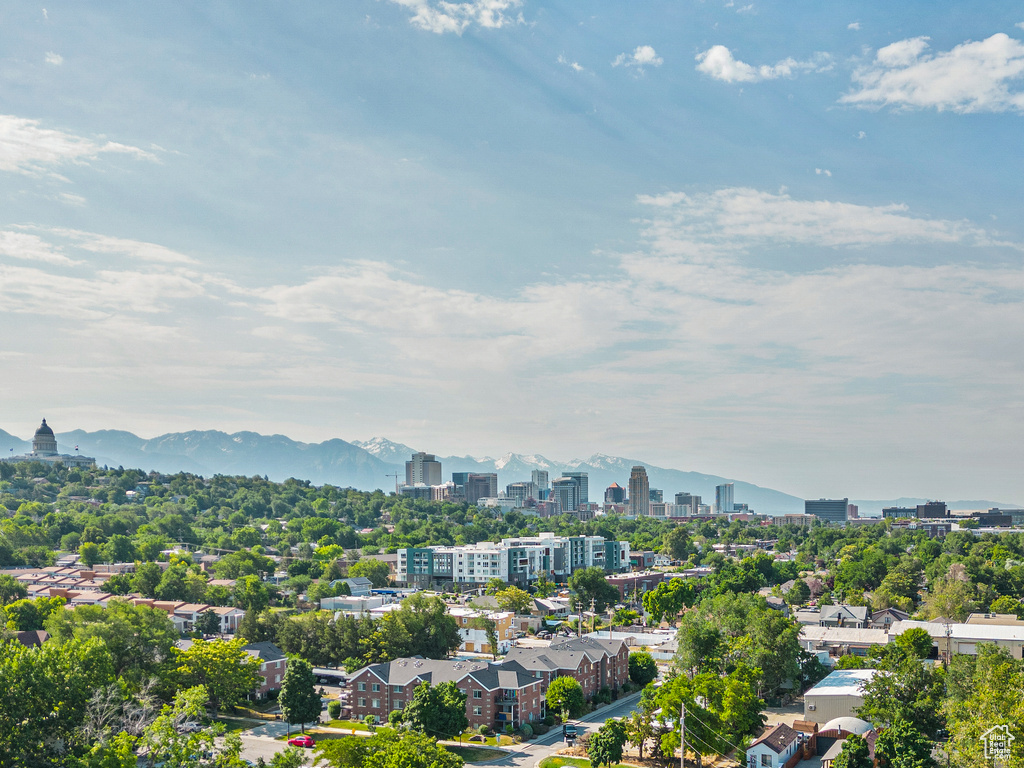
[496, 694]
[515, 561]
[509, 693]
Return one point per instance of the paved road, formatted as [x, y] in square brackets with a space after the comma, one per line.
[532, 752]
[262, 741]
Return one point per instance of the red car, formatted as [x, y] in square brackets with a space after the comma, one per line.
[301, 741]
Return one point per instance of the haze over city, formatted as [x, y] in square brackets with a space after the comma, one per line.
[773, 242]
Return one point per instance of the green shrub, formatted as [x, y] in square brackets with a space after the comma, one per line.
[549, 720]
[483, 730]
[526, 730]
[334, 710]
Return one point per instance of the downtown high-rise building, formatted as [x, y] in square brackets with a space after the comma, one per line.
[827, 510]
[539, 477]
[423, 469]
[581, 479]
[566, 491]
[639, 492]
[686, 499]
[615, 494]
[520, 492]
[723, 498]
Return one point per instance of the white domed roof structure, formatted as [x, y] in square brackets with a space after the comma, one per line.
[849, 724]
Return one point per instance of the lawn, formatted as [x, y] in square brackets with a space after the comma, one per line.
[557, 761]
[347, 725]
[233, 725]
[499, 740]
[475, 754]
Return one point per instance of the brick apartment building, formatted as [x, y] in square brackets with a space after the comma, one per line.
[496, 694]
[595, 663]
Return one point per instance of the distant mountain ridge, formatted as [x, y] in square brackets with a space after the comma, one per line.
[366, 465]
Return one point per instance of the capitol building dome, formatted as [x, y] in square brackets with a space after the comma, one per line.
[44, 448]
[44, 443]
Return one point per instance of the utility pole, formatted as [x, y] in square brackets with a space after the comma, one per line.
[593, 613]
[682, 735]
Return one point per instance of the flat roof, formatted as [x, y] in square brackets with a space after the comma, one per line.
[843, 682]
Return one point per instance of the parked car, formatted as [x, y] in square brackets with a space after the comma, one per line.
[301, 741]
[190, 726]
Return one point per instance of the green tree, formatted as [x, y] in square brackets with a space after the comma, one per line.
[854, 754]
[251, 594]
[514, 599]
[565, 696]
[226, 672]
[208, 623]
[910, 692]
[438, 711]
[433, 633]
[165, 744]
[642, 668]
[292, 757]
[914, 643]
[147, 579]
[346, 752]
[90, 554]
[799, 594]
[376, 571]
[27, 615]
[494, 586]
[139, 638]
[411, 750]
[11, 589]
[902, 746]
[46, 696]
[640, 726]
[300, 703]
[544, 587]
[605, 746]
[590, 590]
[669, 598]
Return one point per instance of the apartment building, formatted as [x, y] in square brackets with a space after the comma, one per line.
[496, 694]
[515, 560]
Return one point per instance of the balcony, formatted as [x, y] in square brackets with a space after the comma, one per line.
[507, 697]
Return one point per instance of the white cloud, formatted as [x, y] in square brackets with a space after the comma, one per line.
[54, 58]
[642, 56]
[746, 9]
[28, 247]
[823, 172]
[733, 219]
[982, 76]
[27, 148]
[1019, 25]
[854, 26]
[134, 249]
[861, 135]
[719, 62]
[573, 65]
[440, 16]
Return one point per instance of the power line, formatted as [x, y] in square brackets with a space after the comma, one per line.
[717, 733]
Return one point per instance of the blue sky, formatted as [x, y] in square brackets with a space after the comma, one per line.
[780, 242]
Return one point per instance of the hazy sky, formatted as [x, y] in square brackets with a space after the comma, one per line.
[774, 241]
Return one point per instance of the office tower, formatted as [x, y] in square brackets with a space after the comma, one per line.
[540, 479]
[581, 478]
[566, 491]
[480, 486]
[615, 494]
[639, 492]
[827, 510]
[657, 496]
[723, 498]
[685, 499]
[423, 469]
[852, 512]
[520, 492]
[932, 509]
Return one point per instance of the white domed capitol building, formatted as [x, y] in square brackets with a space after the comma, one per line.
[44, 448]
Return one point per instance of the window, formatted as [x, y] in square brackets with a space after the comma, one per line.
[478, 694]
[375, 687]
[398, 703]
[396, 689]
[478, 710]
[362, 686]
[766, 760]
[362, 702]
[375, 703]
[277, 678]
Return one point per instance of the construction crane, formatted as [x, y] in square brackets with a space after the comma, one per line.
[396, 476]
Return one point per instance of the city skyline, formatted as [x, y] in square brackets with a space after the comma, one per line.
[776, 243]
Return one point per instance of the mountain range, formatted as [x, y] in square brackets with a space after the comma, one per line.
[373, 464]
